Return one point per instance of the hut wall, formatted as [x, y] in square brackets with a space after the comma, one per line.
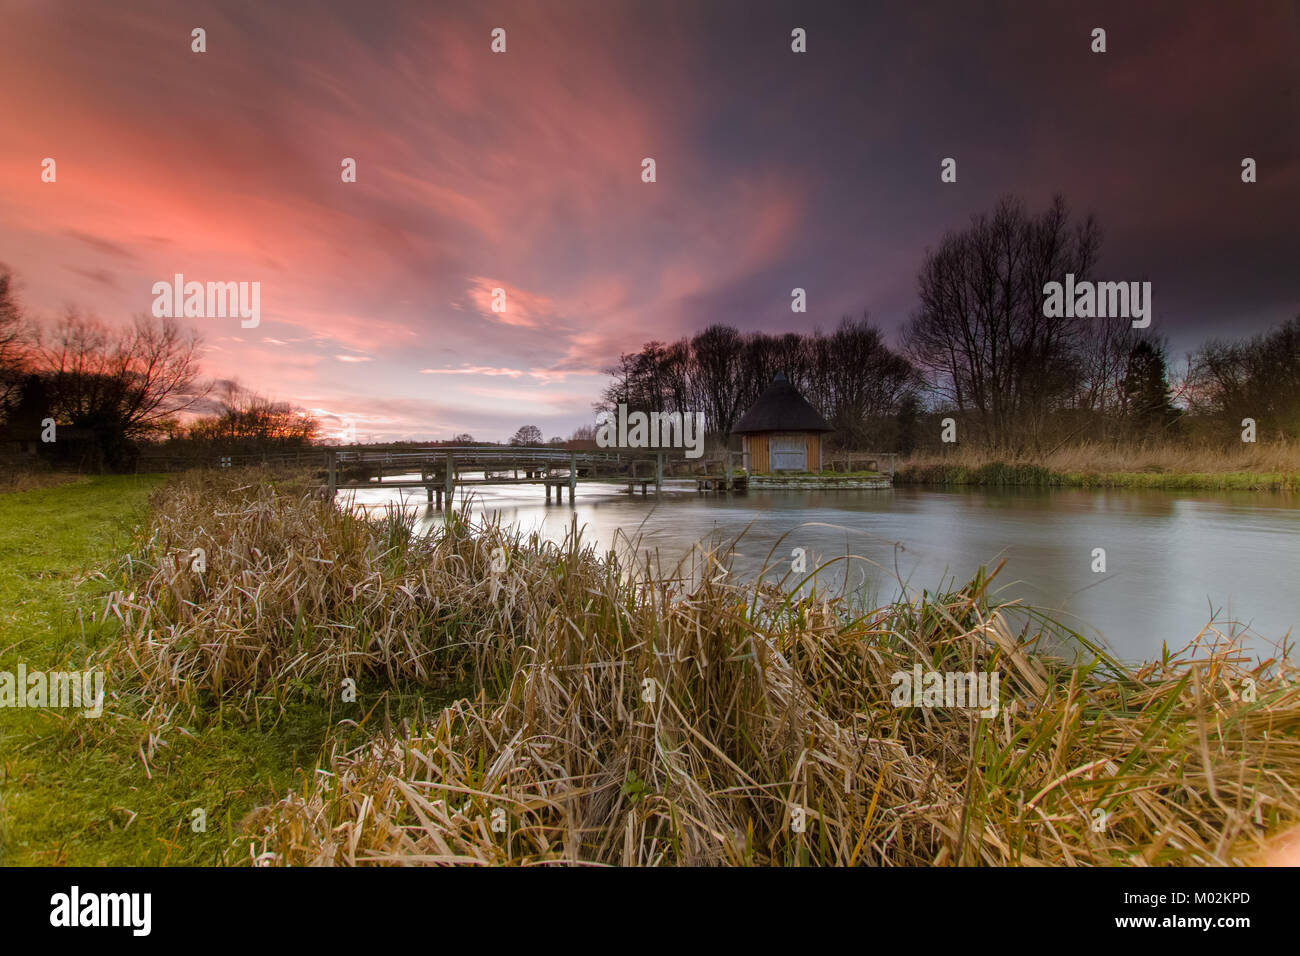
[758, 447]
[759, 460]
[814, 452]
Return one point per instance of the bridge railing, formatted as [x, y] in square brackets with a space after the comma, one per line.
[469, 452]
[463, 455]
[313, 458]
[861, 461]
[440, 465]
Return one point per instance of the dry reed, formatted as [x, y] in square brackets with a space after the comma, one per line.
[1271, 465]
[627, 719]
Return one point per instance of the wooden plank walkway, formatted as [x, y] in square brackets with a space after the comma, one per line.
[727, 482]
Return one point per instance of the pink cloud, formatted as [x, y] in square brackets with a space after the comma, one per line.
[518, 172]
[473, 370]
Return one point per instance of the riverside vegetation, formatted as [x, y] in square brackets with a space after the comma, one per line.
[1272, 467]
[524, 702]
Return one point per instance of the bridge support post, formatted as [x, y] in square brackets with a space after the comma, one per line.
[332, 457]
[450, 482]
[659, 473]
[573, 475]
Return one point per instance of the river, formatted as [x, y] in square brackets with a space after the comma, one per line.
[1173, 560]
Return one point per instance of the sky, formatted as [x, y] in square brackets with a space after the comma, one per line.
[522, 171]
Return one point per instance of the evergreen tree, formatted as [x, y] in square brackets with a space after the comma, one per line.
[1146, 394]
[909, 423]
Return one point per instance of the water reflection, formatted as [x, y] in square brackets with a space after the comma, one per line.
[1173, 560]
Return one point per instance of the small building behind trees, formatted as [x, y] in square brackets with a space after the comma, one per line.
[782, 431]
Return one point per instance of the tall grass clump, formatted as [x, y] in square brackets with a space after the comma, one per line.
[298, 593]
[624, 717]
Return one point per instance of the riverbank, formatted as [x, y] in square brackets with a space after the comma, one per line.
[1271, 468]
[1002, 474]
[592, 716]
[825, 481]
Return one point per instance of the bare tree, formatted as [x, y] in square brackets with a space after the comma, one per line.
[15, 341]
[866, 383]
[527, 435]
[254, 423]
[1101, 365]
[851, 377]
[1257, 379]
[981, 332]
[115, 386]
[718, 382]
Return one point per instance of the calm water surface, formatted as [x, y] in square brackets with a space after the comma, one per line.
[1174, 560]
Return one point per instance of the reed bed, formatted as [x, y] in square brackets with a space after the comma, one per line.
[297, 593]
[627, 718]
[1272, 466]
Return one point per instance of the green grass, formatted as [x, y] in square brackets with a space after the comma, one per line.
[83, 791]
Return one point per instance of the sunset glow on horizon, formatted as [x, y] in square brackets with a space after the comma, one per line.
[522, 171]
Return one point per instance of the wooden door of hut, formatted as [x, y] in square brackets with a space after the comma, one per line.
[789, 453]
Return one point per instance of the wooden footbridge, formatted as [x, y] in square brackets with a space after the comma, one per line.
[443, 469]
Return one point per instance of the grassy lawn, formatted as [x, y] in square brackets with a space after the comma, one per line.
[82, 791]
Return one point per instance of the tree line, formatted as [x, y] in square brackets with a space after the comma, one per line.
[980, 349]
[850, 375]
[85, 395]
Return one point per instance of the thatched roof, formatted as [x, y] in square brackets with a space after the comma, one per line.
[781, 409]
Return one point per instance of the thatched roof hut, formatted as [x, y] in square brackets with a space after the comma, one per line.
[782, 432]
